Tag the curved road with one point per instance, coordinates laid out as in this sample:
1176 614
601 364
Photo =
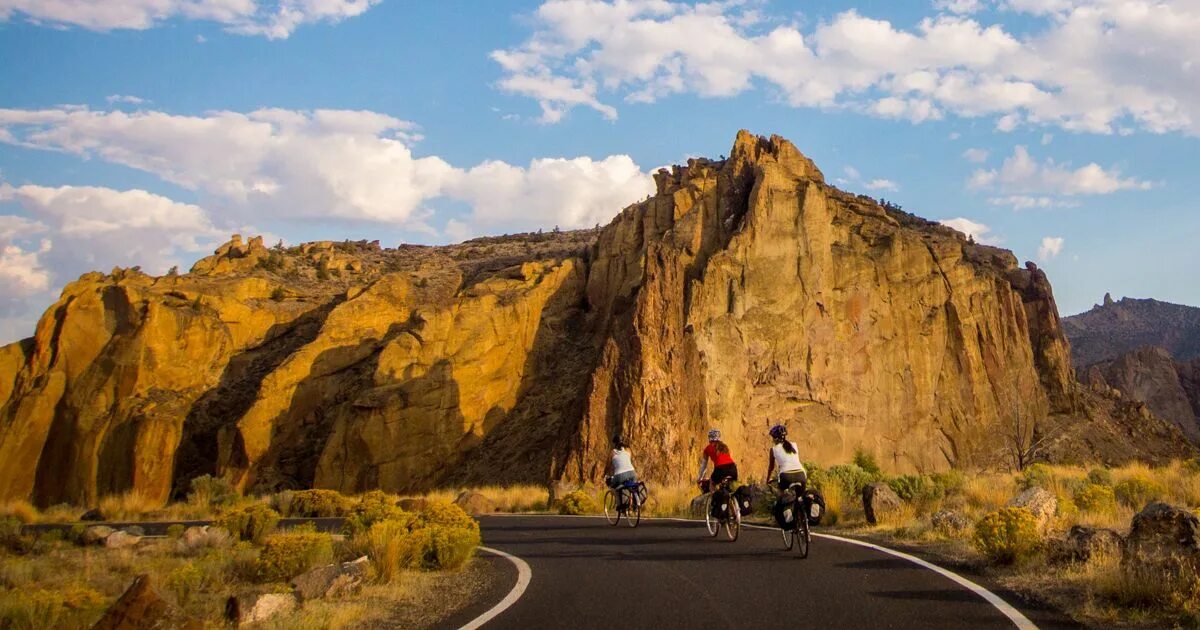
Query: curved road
669 574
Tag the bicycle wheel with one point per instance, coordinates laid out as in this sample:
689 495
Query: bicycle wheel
789 536
802 535
610 508
633 514
710 522
733 522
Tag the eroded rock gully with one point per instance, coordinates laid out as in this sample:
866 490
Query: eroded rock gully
746 292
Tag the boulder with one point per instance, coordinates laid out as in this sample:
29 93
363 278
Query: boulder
1163 541
879 502
411 504
92 515
331 580
949 522
473 502
1040 502
121 540
1081 543
251 608
96 534
134 530
141 607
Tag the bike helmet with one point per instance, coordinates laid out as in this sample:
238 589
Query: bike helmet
714 435
618 441
778 432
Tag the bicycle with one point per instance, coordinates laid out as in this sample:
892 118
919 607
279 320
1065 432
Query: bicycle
799 535
728 515
616 505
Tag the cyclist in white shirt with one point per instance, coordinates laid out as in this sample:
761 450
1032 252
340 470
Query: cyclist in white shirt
786 458
620 467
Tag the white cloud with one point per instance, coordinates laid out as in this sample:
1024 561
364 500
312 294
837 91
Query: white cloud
1026 202
330 165
1047 138
275 19
22 275
977 156
1051 247
1021 174
127 99
1098 66
574 193
959 6
978 231
98 228
881 184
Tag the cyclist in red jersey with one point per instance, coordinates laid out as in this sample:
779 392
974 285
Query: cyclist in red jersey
723 464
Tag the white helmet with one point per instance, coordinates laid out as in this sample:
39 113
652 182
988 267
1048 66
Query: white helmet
714 435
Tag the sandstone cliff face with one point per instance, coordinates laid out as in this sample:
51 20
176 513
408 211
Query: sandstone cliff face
747 292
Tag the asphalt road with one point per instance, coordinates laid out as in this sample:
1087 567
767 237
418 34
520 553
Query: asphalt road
670 574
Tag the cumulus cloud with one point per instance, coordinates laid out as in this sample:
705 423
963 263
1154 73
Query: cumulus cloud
977 156
327 164
81 228
1050 248
978 231
275 19
1022 174
1026 202
1084 65
881 184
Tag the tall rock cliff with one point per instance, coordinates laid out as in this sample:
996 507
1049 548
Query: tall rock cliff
746 292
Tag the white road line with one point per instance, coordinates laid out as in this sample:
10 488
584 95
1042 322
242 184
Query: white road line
524 575
1014 615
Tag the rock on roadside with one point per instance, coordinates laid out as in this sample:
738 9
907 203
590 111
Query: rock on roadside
331 580
121 540
879 502
475 503
141 607
1040 502
251 608
1163 541
96 534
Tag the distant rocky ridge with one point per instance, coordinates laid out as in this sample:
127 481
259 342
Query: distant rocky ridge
1113 328
1144 350
746 292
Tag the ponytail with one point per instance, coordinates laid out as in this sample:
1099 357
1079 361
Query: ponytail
721 447
788 446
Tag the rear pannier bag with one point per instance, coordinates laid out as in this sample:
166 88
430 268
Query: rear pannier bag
816 507
720 504
783 510
742 495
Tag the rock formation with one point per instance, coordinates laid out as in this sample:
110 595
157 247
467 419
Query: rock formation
1116 327
746 292
1149 375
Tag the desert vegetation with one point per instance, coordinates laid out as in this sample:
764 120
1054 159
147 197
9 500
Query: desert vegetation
385 567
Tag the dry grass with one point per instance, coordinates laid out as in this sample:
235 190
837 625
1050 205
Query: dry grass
22 511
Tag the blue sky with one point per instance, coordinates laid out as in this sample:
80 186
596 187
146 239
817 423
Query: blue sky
144 133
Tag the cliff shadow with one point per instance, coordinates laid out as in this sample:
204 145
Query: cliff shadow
236 391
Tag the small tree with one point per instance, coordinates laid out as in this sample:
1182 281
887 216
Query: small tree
173 271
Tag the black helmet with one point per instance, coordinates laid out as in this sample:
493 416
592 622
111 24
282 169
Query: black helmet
618 441
779 432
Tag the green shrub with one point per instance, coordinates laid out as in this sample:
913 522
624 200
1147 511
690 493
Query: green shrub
373 507
288 554
212 491
866 461
1037 475
951 481
46 608
440 536
916 488
851 478
1136 492
1096 498
577 502
319 504
1007 535
185 581
1100 477
251 522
